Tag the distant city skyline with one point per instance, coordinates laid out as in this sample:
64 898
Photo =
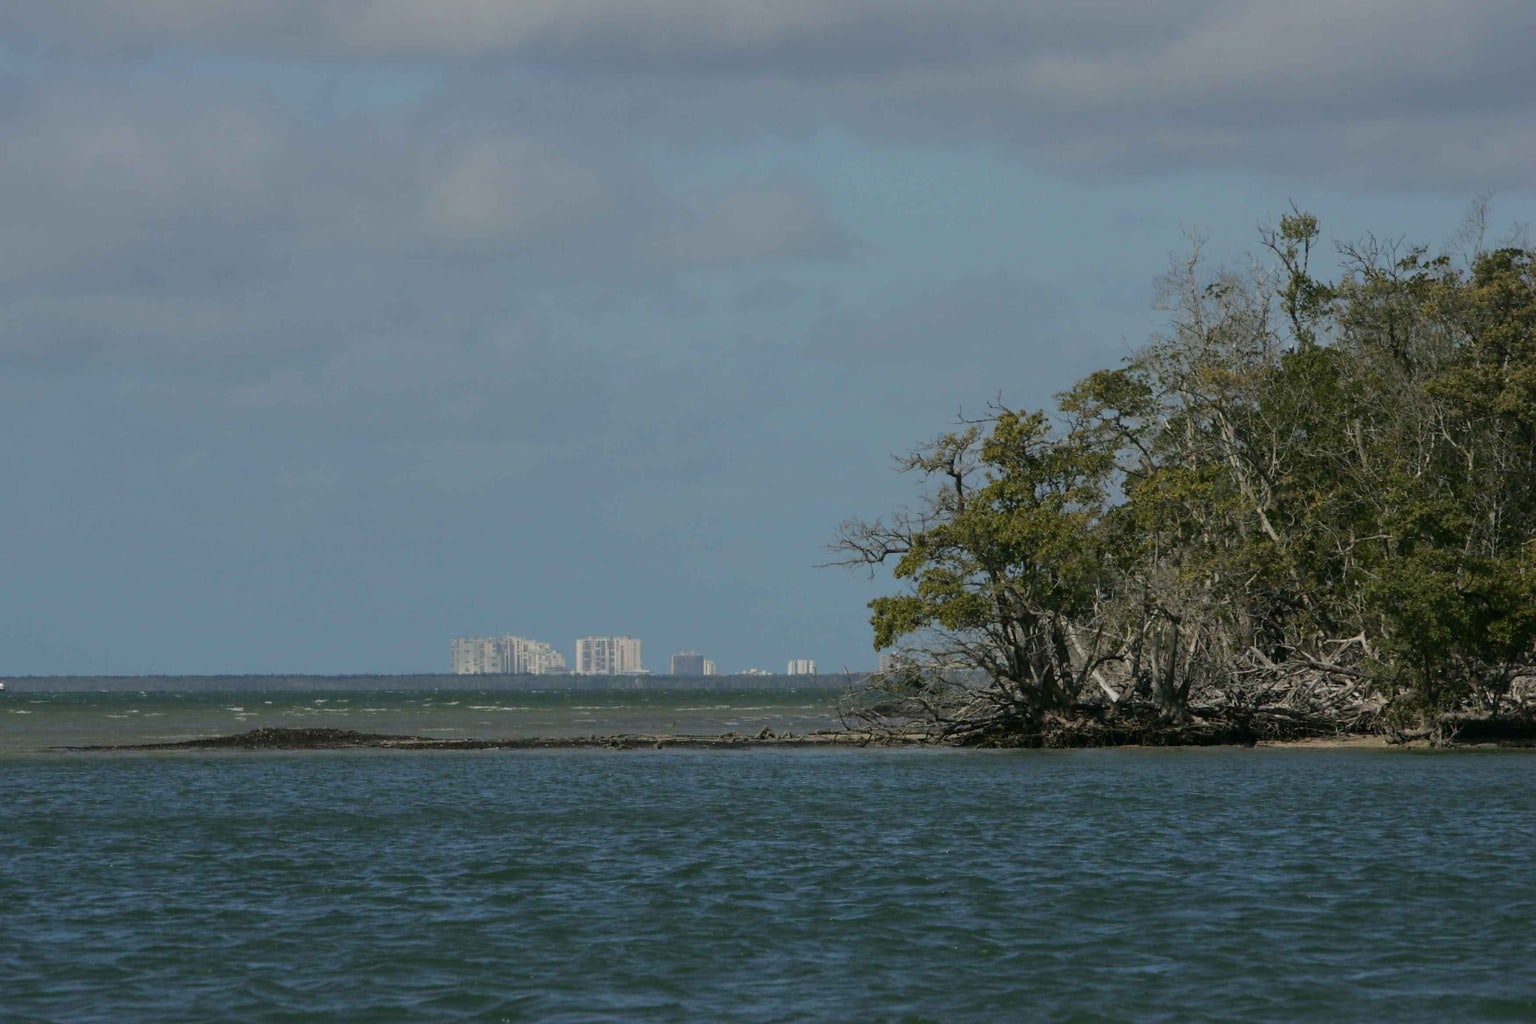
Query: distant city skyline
508 654
594 655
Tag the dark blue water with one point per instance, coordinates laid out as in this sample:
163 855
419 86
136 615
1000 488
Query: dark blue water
768 885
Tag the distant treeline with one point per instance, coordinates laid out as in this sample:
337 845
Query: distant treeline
326 684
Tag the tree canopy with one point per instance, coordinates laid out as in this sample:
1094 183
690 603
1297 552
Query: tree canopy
1308 505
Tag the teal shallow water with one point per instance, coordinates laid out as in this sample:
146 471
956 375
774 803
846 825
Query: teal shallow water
37 721
768 885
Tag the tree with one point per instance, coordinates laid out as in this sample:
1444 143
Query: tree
1308 505
1005 564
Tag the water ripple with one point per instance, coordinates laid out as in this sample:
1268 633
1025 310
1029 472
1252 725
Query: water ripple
770 886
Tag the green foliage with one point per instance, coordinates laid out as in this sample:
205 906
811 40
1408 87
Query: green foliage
1297 465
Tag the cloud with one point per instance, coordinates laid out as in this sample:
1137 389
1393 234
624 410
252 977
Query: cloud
147 219
753 224
1335 89
86 175
1364 93
800 34
510 191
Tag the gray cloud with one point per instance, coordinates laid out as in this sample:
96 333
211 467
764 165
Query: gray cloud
86 175
500 192
145 218
793 34
1340 89
98 173
751 224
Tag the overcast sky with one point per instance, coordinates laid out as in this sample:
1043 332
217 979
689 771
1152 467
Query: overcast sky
332 329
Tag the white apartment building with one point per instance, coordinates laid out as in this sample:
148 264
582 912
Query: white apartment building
608 655
476 655
801 667
531 657
504 655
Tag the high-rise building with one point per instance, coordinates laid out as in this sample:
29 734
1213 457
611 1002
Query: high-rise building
530 657
608 655
801 667
476 655
692 663
504 655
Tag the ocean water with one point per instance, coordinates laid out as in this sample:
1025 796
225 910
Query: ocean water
767 885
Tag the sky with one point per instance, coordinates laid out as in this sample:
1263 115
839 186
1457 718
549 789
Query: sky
333 329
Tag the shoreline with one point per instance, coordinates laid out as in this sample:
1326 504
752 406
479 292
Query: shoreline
283 738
